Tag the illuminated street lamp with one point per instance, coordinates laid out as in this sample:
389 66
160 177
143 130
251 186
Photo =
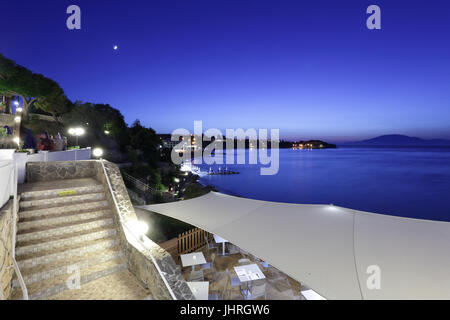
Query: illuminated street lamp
76 132
17 140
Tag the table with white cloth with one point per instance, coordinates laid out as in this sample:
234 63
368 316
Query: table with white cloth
247 273
192 259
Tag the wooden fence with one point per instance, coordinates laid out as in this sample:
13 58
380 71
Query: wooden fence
186 242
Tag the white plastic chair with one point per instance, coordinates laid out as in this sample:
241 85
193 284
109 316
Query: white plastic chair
196 275
242 262
232 249
256 290
210 246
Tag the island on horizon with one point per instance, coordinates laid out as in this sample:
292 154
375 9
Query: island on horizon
398 140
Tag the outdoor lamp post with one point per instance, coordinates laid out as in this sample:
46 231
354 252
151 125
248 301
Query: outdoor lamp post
18 108
76 132
17 120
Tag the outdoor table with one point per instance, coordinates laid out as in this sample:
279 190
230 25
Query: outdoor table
222 241
249 272
200 289
192 259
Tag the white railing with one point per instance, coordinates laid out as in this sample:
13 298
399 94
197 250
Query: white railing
133 234
6 181
13 240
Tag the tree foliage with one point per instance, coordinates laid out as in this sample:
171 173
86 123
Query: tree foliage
31 87
146 140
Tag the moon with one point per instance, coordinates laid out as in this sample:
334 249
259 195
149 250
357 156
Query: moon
116 47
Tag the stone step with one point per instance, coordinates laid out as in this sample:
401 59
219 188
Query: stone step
23 248
62 218
60 201
60 267
61 192
63 263
64 282
48 256
73 208
121 285
43 233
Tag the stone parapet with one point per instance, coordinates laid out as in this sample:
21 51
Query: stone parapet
6 262
59 170
138 251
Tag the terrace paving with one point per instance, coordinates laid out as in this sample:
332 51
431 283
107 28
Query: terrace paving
278 285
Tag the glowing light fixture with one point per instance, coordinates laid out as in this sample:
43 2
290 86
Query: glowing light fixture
17 119
76 132
19 109
140 228
97 152
16 140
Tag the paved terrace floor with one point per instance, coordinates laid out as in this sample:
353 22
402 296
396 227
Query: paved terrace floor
279 286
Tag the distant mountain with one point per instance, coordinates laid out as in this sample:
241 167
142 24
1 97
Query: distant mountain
399 140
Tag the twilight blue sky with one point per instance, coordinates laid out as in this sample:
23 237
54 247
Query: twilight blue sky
310 68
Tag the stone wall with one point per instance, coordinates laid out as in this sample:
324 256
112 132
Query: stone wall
138 252
49 171
6 263
7 120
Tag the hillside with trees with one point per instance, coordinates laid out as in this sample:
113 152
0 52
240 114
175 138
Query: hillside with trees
46 108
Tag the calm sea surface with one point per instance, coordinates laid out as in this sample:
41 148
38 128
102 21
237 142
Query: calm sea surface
409 182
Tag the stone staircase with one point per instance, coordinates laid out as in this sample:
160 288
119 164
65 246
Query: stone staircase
66 228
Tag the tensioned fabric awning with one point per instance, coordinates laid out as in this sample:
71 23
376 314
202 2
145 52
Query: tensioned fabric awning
338 252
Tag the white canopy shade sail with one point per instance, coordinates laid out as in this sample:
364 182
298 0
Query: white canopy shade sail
339 253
